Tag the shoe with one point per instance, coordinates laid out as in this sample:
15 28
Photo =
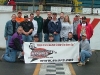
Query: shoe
88 60
1 58
80 64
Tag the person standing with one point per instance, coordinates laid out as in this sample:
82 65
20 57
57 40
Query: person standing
84 28
76 22
34 24
66 28
15 45
10 28
27 29
61 19
85 50
54 27
45 26
19 18
39 20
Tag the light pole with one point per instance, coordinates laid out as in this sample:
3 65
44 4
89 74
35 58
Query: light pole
92 5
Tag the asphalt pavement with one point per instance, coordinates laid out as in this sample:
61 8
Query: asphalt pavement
20 68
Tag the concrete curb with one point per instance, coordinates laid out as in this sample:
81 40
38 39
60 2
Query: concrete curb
2 48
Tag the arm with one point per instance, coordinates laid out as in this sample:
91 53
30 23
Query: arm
5 32
91 28
71 28
32 28
59 27
44 26
51 30
17 44
35 28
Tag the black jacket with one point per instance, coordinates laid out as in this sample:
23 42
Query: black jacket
45 26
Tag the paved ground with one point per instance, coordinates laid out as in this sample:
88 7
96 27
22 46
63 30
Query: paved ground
19 68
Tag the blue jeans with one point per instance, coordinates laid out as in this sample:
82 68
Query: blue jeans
57 37
40 36
46 37
84 55
27 38
11 56
7 43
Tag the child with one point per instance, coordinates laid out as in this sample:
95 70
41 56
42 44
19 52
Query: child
51 38
70 37
36 38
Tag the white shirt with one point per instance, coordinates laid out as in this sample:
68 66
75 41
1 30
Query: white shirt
66 28
35 27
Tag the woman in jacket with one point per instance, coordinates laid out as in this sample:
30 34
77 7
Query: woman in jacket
66 28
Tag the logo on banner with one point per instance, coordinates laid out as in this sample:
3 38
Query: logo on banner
38 53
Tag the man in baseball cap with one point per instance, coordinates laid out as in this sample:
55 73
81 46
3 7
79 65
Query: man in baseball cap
36 38
85 52
51 38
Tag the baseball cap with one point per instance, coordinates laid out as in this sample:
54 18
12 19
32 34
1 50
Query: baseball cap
36 36
50 35
77 15
84 17
84 34
19 12
25 16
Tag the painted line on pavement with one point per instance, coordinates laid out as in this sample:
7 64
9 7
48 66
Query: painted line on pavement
71 69
37 69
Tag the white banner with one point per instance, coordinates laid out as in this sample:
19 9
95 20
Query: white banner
66 9
56 9
40 52
86 11
6 8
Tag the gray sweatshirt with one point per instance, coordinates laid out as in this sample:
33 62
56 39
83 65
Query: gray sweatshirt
84 45
75 24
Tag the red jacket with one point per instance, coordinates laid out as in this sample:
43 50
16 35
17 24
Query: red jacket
89 31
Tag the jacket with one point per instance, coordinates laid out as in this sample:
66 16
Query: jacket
54 27
9 28
40 23
88 28
45 26
16 42
35 27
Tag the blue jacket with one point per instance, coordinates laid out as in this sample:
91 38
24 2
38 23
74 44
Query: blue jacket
54 27
9 28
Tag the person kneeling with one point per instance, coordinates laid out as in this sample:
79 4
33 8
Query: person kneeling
51 38
36 38
85 50
70 37
15 45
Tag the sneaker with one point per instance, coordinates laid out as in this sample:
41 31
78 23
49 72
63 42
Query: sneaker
80 64
88 60
1 58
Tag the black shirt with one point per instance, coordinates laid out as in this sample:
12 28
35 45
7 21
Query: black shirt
27 26
14 26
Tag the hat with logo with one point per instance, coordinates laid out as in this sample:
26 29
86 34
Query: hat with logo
36 36
77 15
19 12
25 16
50 35
84 35
83 18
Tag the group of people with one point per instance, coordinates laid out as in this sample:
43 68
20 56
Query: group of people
30 29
